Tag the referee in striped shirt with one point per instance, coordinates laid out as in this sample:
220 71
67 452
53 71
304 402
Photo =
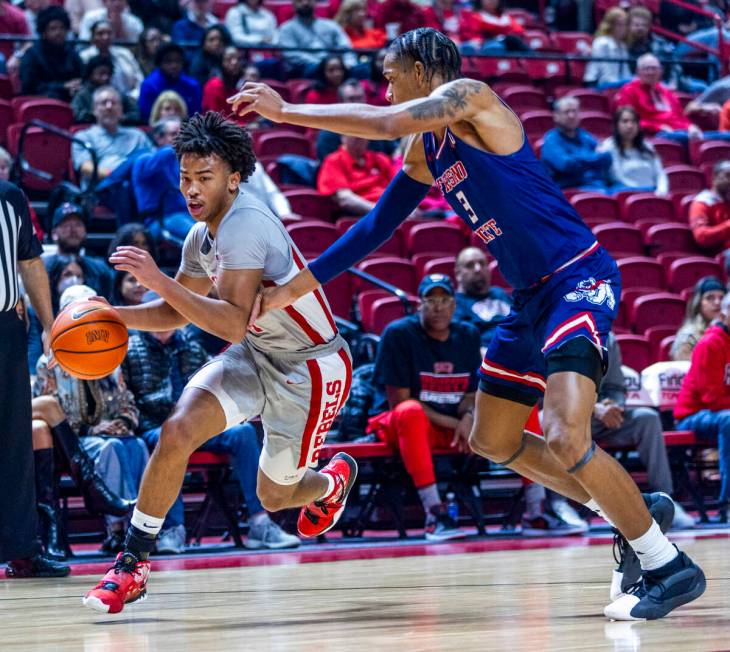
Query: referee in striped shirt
19 251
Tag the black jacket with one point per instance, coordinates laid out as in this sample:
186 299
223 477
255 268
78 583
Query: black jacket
45 68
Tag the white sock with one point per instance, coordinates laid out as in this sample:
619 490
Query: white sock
429 496
653 548
146 523
594 507
534 498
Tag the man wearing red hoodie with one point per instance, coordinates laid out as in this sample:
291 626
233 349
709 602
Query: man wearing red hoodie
709 213
703 404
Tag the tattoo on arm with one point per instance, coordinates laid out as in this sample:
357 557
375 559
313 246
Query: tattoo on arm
453 100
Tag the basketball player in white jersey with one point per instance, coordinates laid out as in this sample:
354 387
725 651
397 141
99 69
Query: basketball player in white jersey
293 369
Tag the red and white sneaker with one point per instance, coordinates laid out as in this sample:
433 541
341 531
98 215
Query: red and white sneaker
125 582
322 515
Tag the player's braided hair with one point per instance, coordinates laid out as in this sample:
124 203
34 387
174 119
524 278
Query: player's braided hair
436 51
210 133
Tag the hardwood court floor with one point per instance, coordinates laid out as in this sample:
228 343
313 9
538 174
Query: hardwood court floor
521 601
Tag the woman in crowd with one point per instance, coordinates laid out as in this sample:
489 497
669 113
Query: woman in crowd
127 75
149 42
635 165
352 17
376 86
128 291
208 60
91 423
168 104
330 74
228 82
609 42
487 28
133 234
703 307
98 72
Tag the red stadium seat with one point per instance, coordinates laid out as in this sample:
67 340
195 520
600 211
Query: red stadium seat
313 237
685 272
339 294
391 247
635 351
396 271
590 100
537 39
437 237
521 101
620 239
593 205
284 142
307 202
648 205
670 237
280 87
54 112
712 151
496 277
443 265
660 309
573 42
665 347
670 152
220 8
656 335
597 123
537 123
298 88
6 87
383 312
685 178
43 151
366 299
7 117
640 271
666 258
545 70
421 260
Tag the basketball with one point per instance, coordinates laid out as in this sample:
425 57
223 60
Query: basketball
89 339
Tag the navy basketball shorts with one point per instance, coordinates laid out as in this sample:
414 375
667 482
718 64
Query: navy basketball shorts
580 301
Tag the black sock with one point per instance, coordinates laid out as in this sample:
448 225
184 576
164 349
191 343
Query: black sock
139 543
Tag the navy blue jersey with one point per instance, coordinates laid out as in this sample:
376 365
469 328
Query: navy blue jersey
512 205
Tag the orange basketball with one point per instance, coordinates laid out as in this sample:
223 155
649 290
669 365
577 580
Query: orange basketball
89 339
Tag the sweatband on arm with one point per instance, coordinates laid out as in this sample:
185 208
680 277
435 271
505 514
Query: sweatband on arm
398 201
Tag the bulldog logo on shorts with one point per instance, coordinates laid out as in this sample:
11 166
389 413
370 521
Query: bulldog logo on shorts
596 292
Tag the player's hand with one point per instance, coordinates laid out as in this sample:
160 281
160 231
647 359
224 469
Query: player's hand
260 98
139 263
609 414
269 299
461 433
105 427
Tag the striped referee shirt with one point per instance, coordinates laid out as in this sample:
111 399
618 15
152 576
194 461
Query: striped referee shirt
17 242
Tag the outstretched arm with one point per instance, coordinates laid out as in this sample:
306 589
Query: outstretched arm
456 101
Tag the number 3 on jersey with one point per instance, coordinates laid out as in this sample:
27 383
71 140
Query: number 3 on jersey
467 206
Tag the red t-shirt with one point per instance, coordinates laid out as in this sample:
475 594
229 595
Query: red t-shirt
707 383
322 96
479 25
709 219
367 39
657 107
215 94
339 171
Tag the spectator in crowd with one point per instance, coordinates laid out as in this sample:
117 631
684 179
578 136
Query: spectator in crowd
51 67
711 100
251 24
487 28
12 21
68 232
169 76
112 143
354 176
168 104
227 82
328 76
191 27
161 14
709 213
78 8
635 165
208 59
703 404
157 367
133 234
31 9
353 18
444 15
305 30
126 27
703 307
570 152
127 75
426 380
149 42
99 72
351 91
609 42
639 428
706 35
92 423
128 291
660 111
641 40
477 303
397 16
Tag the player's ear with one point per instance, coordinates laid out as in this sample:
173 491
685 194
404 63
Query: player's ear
420 72
234 180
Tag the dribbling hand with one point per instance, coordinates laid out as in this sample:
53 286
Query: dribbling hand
139 263
260 98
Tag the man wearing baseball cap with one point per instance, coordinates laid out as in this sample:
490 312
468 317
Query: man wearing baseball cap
426 379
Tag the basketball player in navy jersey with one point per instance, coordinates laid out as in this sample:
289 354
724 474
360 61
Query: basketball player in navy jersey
567 291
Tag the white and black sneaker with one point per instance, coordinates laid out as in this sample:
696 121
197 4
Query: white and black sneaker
628 571
440 526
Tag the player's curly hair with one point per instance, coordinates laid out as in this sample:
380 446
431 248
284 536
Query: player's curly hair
210 133
436 51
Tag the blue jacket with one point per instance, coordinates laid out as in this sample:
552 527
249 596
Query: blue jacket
187 87
574 162
156 181
187 31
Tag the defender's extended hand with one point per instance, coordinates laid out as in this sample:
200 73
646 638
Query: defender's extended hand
267 300
260 98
